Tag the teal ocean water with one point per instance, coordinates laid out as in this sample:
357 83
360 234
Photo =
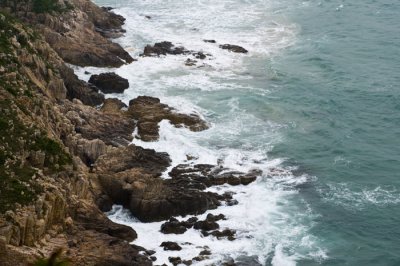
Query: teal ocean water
315 104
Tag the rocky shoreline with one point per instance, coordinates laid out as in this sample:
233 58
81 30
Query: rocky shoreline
74 147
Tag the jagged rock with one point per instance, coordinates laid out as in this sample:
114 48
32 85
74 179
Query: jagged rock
112 129
81 40
205 252
163 48
233 48
113 106
228 233
78 89
93 248
175 260
148 111
109 82
129 177
170 245
199 55
93 219
173 226
104 203
206 225
211 175
190 62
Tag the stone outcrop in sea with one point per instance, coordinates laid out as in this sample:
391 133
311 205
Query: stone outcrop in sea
64 160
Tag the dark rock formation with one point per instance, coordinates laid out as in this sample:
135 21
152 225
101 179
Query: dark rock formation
109 82
78 89
233 48
210 41
148 111
170 246
228 233
163 48
210 175
173 226
175 260
206 225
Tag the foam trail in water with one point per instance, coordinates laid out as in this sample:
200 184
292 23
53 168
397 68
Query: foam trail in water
269 226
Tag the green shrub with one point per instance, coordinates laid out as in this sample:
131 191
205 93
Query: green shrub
44 6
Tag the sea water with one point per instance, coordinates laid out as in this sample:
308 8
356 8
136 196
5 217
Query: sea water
315 104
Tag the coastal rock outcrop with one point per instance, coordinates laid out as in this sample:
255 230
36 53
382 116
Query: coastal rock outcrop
48 193
78 31
109 82
164 48
233 48
149 111
210 175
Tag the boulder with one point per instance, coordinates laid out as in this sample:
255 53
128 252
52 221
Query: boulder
163 48
173 226
228 233
175 260
233 48
109 82
206 225
170 245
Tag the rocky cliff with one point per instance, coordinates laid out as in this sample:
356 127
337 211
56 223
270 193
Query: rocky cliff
64 160
47 143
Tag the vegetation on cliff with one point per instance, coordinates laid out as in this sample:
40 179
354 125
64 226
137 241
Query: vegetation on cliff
25 148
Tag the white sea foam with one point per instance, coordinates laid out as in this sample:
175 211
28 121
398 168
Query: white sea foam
353 197
269 226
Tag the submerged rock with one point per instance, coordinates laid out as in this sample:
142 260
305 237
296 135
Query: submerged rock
109 82
168 245
163 48
233 48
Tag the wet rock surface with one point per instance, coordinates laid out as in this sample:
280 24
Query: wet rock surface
149 111
211 175
164 48
109 82
233 48
170 246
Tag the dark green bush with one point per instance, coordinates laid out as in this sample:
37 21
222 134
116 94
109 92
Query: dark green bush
44 6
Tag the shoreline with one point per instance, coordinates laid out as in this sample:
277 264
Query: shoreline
104 168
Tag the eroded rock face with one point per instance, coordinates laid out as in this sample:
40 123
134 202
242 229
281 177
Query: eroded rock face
78 89
233 48
112 129
109 82
80 35
130 176
149 111
92 248
210 175
113 106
